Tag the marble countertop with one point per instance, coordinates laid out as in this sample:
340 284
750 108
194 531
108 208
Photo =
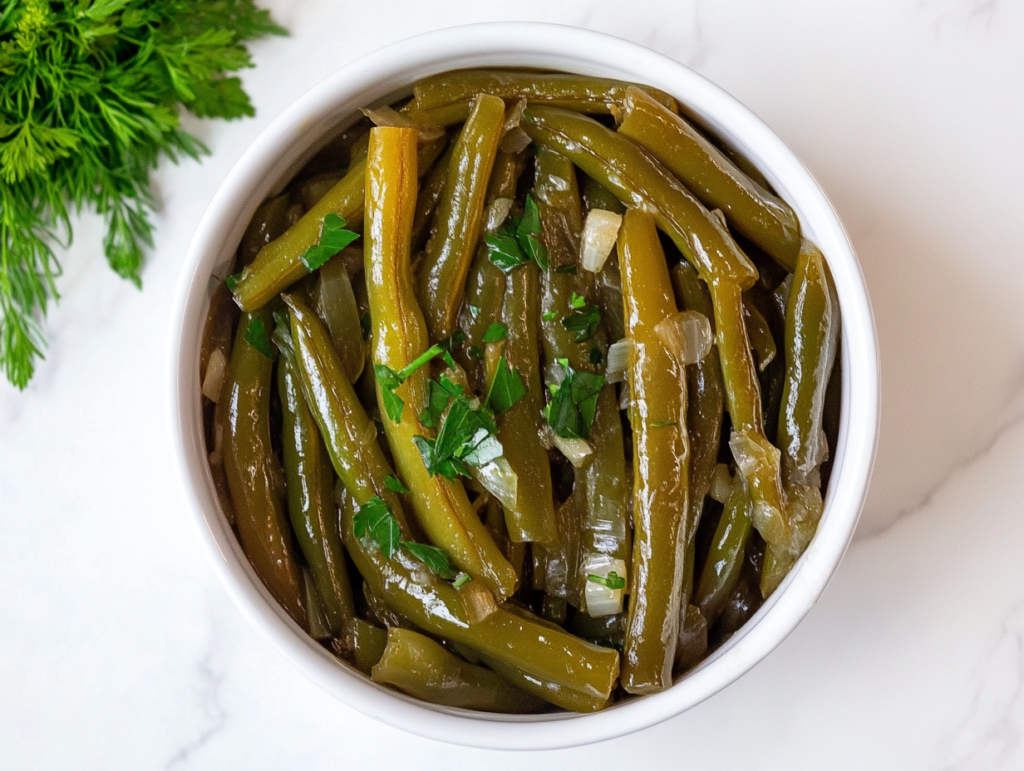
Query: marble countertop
118 648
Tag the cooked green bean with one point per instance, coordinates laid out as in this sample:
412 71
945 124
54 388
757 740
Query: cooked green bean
761 341
557 694
660 461
459 217
728 550
254 476
576 92
310 485
267 224
335 303
764 218
533 517
368 646
420 667
279 264
429 195
399 336
549 655
812 330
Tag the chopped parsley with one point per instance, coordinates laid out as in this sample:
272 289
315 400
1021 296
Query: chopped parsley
595 356
518 240
495 333
506 389
375 520
549 315
232 280
613 581
582 320
576 301
665 424
256 336
466 437
389 379
570 413
461 580
333 238
395 485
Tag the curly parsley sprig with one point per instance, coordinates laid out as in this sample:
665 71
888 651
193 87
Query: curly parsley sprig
90 92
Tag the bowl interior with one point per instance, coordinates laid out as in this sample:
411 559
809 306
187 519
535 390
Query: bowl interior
379 78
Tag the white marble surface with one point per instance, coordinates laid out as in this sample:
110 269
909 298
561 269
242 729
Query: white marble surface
118 650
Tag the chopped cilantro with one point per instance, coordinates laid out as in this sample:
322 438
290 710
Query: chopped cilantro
613 581
495 333
570 413
256 336
506 389
394 484
333 238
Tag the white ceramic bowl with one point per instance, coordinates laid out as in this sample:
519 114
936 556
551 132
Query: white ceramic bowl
294 137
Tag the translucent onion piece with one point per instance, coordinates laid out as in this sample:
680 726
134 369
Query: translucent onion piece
498 478
753 454
600 232
626 396
386 116
576 451
479 601
215 369
687 335
600 600
497 212
515 141
514 115
618 361
335 303
721 483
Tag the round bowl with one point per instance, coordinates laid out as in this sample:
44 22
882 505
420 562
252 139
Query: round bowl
305 127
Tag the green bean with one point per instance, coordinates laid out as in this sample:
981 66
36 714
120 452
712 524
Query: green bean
268 223
310 485
597 196
429 194
586 94
335 304
812 330
557 694
494 521
533 517
254 477
693 639
279 264
399 336
545 654
561 557
760 335
420 667
459 217
660 460
725 560
350 436
369 642
313 189
764 218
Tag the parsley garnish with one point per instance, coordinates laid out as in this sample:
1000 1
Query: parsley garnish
613 581
466 437
474 310
376 520
665 424
495 333
394 484
517 241
389 380
570 413
475 351
595 356
549 315
231 281
333 238
256 336
91 98
506 389
461 580
577 301
438 393
582 320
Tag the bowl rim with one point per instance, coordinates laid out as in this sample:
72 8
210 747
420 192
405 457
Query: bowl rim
292 137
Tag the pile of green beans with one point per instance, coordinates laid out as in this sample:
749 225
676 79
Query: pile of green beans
483 466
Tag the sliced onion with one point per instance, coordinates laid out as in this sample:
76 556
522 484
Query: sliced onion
216 367
335 303
514 115
721 483
600 232
387 117
576 451
618 361
498 478
599 599
687 335
479 601
497 213
515 141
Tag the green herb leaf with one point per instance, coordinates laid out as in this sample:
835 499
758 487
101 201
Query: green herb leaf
256 336
583 323
495 333
528 234
389 380
436 559
595 357
466 436
570 413
437 403
474 310
613 581
665 424
394 484
232 280
518 240
502 247
333 238
506 389
475 351
549 315
375 520
461 580
576 301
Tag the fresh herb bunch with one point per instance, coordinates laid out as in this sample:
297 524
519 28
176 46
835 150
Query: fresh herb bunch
89 97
